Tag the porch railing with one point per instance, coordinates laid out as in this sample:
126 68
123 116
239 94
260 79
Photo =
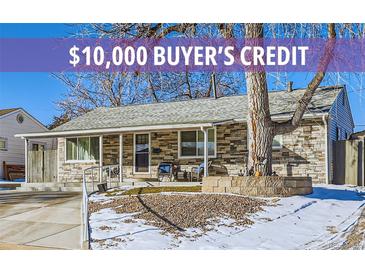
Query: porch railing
112 171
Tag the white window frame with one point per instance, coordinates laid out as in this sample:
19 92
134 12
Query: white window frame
273 147
80 161
280 141
134 153
197 156
6 144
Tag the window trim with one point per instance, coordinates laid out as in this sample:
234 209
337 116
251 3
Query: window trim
197 156
80 161
281 143
273 147
149 153
6 144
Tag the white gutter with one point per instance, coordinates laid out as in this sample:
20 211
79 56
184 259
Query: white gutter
110 130
286 117
324 118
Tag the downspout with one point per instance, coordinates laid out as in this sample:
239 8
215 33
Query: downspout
26 160
101 159
120 158
325 122
205 131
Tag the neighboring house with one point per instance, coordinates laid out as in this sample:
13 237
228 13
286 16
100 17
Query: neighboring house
15 121
358 135
139 137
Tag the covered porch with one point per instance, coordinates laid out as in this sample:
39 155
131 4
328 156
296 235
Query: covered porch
138 153
167 155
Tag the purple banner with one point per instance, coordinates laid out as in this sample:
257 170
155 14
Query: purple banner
181 54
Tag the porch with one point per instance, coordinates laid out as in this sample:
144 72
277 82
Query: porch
218 149
167 156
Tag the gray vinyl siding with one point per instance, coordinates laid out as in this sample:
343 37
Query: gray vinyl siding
340 125
340 117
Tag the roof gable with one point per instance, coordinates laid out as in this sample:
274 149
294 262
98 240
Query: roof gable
7 111
11 111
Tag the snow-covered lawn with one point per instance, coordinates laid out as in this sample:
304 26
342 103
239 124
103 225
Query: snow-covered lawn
323 220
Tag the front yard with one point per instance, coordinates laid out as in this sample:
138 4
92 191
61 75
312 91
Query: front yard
185 218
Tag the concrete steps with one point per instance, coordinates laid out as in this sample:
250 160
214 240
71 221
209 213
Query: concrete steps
66 187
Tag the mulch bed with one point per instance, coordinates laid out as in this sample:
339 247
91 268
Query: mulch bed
177 212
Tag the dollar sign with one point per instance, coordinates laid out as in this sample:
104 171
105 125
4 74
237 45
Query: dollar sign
75 58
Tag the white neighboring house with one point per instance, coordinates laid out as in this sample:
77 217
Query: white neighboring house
14 121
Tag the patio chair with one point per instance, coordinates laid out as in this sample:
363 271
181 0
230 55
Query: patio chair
167 171
197 172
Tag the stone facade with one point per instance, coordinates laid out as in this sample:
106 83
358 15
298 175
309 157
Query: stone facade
258 186
70 172
73 172
302 154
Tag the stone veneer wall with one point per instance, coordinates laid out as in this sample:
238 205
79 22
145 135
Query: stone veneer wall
230 151
73 172
70 172
258 186
303 153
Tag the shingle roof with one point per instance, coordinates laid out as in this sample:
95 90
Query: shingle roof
8 110
207 110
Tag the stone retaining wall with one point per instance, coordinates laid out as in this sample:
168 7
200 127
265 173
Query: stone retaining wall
258 186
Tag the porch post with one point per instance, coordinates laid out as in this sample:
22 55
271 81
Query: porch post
101 158
205 131
120 158
26 160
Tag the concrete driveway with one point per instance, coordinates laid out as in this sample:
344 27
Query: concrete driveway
40 220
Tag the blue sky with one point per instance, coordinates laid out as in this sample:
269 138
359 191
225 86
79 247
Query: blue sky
38 92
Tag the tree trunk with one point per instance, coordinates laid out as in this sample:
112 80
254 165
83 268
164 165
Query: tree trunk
260 130
260 133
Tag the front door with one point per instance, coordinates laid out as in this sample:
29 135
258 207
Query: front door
142 153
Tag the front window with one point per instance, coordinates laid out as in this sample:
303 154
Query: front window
192 143
3 144
82 149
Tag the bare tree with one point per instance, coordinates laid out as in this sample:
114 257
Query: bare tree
87 91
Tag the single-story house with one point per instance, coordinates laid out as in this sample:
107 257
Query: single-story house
191 132
16 121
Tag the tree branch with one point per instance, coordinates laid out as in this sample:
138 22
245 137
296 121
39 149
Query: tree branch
293 123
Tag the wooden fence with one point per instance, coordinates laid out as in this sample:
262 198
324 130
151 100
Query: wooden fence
42 166
348 162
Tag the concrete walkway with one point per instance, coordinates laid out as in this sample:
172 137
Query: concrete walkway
40 220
